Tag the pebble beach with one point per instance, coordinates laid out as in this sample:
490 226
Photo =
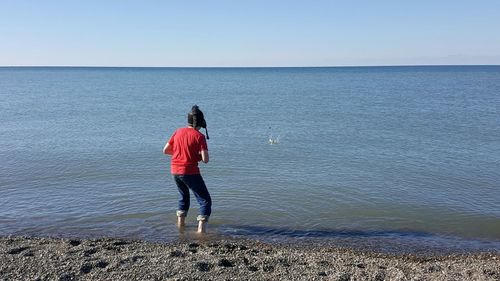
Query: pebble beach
29 258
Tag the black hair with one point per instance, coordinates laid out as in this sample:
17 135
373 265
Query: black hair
197 119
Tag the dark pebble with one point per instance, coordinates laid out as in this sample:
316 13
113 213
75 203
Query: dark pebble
176 254
193 245
86 268
74 242
253 268
322 273
203 266
28 254
67 277
344 277
230 247
101 264
120 243
380 276
90 252
136 258
489 272
16 251
433 268
112 248
268 268
360 265
284 262
324 263
225 263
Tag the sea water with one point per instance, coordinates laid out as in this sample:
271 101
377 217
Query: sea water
360 154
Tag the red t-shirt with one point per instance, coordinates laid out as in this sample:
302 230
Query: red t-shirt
187 143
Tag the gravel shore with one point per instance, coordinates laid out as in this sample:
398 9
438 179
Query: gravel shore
23 258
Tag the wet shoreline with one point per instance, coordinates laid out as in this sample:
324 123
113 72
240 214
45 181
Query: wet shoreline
386 242
32 258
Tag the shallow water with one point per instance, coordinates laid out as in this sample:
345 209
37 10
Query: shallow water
404 153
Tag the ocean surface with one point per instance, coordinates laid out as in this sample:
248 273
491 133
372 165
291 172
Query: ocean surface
383 157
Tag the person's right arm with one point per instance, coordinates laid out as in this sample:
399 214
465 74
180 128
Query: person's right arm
167 149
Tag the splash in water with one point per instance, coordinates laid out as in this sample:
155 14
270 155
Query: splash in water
274 140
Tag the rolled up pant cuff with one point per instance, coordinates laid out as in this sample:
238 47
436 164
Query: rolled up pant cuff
202 218
181 213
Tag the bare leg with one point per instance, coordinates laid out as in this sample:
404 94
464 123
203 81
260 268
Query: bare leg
181 221
181 218
202 226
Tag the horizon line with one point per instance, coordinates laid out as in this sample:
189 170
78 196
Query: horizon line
304 66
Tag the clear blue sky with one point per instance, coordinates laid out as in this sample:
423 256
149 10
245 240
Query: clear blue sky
248 32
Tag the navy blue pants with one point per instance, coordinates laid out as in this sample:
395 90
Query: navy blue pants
197 185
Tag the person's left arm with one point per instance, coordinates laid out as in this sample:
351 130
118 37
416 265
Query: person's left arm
204 156
203 150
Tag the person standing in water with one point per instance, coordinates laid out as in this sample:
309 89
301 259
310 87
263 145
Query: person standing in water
188 146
